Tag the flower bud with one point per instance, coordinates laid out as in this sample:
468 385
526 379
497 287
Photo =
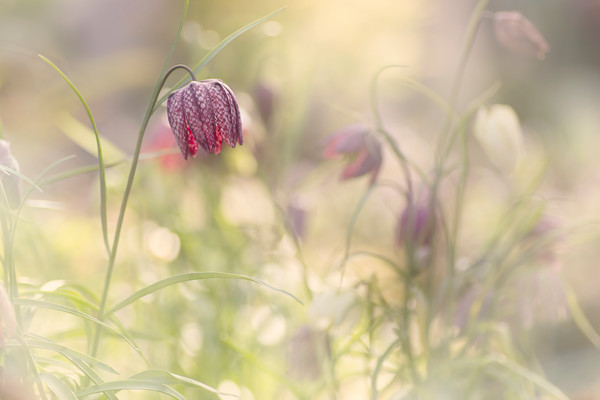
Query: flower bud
204 113
498 131
517 34
416 226
307 350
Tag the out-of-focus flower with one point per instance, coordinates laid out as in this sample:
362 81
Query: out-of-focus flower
162 139
204 113
306 351
415 231
498 131
518 34
416 226
547 238
363 150
10 181
297 218
264 96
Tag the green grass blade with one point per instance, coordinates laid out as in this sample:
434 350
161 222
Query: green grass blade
60 389
168 378
378 365
83 136
580 319
75 312
132 384
70 354
92 375
94 167
99 148
187 277
215 50
528 375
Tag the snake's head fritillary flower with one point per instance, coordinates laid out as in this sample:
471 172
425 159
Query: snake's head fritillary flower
518 34
363 150
204 114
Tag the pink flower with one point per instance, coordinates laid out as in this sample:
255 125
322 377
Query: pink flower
518 34
204 113
363 150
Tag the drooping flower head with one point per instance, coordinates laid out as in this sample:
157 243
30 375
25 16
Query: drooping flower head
518 34
204 114
363 150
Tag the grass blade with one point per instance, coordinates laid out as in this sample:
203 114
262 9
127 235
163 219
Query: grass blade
187 277
83 136
215 50
530 376
60 389
580 319
132 384
99 148
42 343
167 377
75 312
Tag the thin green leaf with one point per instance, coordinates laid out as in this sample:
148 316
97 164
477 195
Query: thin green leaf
380 360
73 311
112 254
215 50
580 319
359 206
83 136
60 389
166 377
89 372
42 343
8 170
132 384
531 376
94 167
99 148
187 277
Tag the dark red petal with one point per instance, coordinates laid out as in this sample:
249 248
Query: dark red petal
199 115
368 160
234 133
347 140
177 121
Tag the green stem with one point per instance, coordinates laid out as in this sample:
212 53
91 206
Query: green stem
381 129
457 82
136 156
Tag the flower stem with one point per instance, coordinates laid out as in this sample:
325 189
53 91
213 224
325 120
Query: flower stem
126 194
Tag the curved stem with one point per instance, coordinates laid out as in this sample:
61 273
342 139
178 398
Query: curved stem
127 192
380 128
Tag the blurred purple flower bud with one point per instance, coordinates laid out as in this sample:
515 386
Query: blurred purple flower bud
547 236
297 218
363 150
10 182
204 113
517 34
264 96
306 351
416 226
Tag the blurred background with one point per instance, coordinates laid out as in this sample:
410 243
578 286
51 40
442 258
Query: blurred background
273 208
